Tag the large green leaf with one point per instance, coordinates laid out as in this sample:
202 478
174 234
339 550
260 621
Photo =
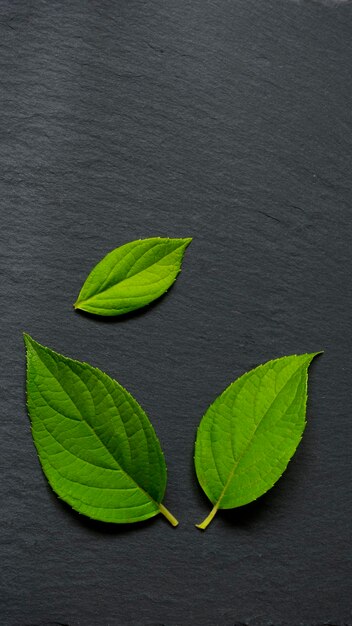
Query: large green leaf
96 445
248 435
132 276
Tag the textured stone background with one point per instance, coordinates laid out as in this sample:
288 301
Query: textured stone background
229 121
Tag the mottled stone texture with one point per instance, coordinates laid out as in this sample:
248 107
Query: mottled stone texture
225 120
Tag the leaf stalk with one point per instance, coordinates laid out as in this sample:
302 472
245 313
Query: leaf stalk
170 518
205 523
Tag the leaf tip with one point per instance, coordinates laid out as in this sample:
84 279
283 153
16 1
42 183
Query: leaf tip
27 339
29 344
187 241
312 355
78 305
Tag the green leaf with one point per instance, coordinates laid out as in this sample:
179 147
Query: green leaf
96 445
248 435
132 276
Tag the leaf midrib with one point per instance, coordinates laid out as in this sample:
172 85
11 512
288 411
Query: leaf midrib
100 441
158 244
129 278
105 508
237 463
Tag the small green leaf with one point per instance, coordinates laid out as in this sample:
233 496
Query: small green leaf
96 445
248 435
132 276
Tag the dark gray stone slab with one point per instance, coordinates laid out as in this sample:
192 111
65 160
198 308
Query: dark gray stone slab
225 120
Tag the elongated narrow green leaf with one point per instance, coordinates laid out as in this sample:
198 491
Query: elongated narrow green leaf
132 276
96 445
248 435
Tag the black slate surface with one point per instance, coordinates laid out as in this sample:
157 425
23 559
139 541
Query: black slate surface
229 121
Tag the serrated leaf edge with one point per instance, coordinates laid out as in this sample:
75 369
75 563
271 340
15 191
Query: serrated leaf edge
185 243
29 341
205 523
